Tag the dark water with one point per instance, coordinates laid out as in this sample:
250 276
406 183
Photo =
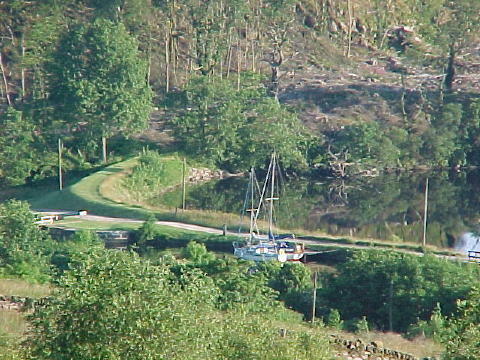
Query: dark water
385 207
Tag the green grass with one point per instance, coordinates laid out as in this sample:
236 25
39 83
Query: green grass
12 325
85 194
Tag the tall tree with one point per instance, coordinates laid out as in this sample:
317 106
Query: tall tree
98 81
16 154
279 17
235 128
459 23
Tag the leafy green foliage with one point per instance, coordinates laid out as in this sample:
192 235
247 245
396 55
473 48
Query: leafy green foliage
442 139
197 253
239 286
367 143
334 320
24 248
16 153
69 252
153 174
115 305
98 82
235 128
373 282
146 233
463 329
434 328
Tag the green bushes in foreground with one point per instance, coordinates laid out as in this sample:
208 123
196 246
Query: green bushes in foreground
114 305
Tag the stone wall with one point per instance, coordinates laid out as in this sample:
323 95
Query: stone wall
15 303
358 350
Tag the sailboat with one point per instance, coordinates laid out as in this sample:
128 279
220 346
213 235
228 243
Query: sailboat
268 247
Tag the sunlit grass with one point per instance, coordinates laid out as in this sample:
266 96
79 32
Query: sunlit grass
22 288
12 324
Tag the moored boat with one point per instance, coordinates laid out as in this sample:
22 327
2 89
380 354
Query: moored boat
271 247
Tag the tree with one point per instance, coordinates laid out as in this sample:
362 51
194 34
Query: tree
278 16
114 305
235 128
146 233
197 253
212 22
462 334
442 139
459 23
24 248
98 82
376 284
366 143
16 140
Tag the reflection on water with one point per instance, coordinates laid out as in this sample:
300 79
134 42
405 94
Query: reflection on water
384 207
467 242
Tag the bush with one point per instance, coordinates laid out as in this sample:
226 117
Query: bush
373 282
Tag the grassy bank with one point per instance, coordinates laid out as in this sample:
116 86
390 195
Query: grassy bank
103 193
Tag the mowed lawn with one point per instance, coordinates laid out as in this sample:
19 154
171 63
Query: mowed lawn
86 194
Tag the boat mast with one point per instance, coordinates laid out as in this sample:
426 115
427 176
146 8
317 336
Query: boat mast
252 204
272 197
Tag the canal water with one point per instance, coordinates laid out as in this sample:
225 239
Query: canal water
389 206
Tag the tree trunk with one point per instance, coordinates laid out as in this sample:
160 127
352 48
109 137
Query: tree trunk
450 71
238 65
350 23
5 81
275 81
167 64
24 88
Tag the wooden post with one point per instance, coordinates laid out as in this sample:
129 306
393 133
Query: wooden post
60 178
184 170
104 149
390 307
424 243
314 296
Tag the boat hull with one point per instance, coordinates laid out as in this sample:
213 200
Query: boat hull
259 253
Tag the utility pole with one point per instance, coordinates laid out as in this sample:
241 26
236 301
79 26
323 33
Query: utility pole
425 209
60 150
104 149
184 170
314 296
390 307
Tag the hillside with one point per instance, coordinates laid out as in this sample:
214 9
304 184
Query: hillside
400 75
